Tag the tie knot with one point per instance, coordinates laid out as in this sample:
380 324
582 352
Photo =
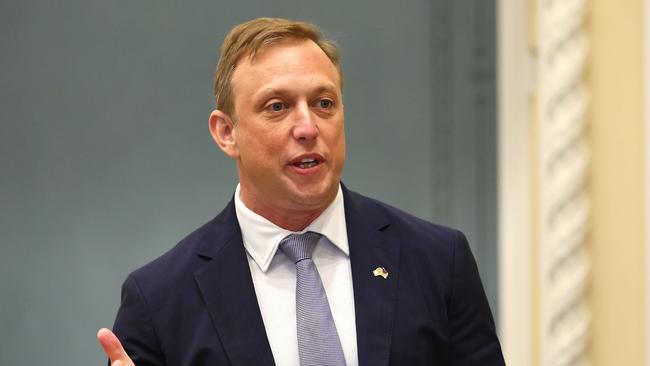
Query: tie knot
299 246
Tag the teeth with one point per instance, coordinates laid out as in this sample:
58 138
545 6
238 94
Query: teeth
307 163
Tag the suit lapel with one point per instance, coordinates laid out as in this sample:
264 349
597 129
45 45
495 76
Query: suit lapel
371 246
227 289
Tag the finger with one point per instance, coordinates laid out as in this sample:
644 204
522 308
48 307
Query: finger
113 348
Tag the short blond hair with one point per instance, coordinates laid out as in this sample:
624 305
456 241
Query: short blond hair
249 37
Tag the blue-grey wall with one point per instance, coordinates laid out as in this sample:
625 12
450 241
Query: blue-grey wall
106 161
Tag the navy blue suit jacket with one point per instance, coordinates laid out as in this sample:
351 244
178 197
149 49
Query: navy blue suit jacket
196 305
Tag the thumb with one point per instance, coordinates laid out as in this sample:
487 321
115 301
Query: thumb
113 348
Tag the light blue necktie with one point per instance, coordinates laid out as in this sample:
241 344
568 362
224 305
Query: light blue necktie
318 341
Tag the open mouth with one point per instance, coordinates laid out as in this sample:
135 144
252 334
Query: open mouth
306 163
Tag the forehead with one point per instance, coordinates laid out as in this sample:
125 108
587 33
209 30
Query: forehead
285 62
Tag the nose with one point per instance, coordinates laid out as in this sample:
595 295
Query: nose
305 127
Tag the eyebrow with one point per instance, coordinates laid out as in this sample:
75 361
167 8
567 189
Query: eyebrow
284 91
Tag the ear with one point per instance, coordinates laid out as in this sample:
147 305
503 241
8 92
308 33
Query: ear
222 130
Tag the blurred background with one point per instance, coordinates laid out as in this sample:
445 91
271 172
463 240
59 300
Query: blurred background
523 123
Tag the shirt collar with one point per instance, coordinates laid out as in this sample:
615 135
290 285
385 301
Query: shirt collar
262 237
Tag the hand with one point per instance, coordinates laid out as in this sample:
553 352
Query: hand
113 348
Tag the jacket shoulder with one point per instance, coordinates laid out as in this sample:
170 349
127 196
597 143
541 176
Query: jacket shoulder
405 224
178 264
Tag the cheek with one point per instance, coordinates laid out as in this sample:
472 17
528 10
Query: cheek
263 147
343 145
337 139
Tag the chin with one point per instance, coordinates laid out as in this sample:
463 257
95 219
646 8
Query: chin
315 196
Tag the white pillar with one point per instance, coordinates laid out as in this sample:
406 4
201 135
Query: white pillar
563 158
516 71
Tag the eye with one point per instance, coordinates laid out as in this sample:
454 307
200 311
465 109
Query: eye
276 107
325 103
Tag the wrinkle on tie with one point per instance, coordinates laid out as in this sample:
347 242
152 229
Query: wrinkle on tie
318 339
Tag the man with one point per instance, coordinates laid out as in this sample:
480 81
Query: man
297 269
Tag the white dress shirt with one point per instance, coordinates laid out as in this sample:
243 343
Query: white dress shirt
274 278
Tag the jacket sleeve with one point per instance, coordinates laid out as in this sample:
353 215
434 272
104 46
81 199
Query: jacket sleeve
135 328
473 335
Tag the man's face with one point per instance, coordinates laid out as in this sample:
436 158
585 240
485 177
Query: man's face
288 139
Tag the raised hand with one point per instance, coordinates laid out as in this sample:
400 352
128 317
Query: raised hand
113 348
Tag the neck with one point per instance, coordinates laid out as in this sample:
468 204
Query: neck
291 219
